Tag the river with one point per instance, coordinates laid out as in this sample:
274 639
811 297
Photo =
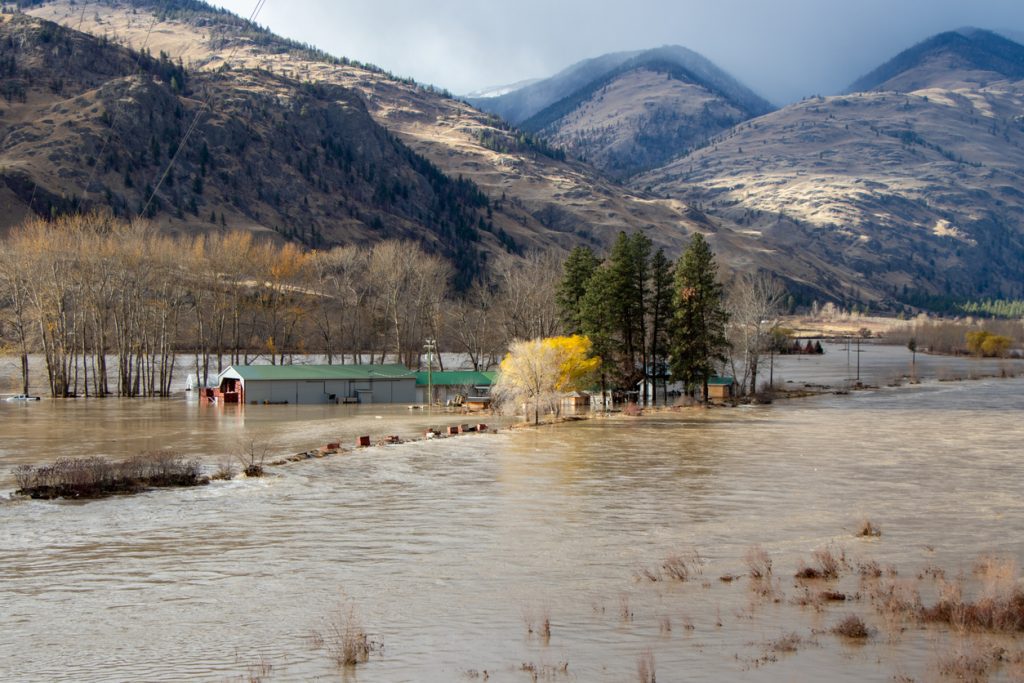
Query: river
449 550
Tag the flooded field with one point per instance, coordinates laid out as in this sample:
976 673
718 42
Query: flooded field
452 552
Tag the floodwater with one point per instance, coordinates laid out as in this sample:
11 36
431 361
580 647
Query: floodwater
448 550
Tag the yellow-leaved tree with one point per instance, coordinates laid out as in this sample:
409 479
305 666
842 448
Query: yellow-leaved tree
538 372
985 343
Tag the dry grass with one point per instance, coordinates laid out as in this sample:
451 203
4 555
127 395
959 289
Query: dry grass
971 661
96 477
993 611
542 672
645 668
625 612
647 574
852 627
225 471
683 566
345 638
259 670
538 624
759 563
869 570
787 643
829 565
867 529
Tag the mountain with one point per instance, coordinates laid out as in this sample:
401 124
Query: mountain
631 111
867 198
537 200
87 123
519 104
921 193
971 57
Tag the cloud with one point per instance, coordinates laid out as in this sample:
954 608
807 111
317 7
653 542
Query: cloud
784 49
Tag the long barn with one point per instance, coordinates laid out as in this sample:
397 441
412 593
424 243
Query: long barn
317 384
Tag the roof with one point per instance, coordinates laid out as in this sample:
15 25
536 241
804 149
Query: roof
721 381
321 372
457 378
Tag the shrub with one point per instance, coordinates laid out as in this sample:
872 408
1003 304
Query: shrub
96 477
759 564
345 638
853 627
829 565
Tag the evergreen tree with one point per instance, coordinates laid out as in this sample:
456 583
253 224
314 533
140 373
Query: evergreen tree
697 339
577 270
661 311
596 316
630 266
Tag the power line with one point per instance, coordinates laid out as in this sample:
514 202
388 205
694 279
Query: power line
117 110
195 121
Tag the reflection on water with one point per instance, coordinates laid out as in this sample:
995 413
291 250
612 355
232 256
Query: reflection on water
446 547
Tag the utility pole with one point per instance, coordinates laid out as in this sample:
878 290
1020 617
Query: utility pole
858 359
430 346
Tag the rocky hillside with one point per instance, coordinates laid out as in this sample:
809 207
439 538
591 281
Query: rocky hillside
628 112
537 199
86 123
920 193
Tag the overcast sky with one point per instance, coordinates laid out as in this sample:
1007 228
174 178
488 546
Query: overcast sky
783 49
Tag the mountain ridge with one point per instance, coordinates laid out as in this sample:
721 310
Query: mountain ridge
975 51
631 111
771 193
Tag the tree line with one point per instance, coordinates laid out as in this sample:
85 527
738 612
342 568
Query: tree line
113 305
649 319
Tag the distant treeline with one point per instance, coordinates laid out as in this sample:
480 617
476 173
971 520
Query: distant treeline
988 308
88 291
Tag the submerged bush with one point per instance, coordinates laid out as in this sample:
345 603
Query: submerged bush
853 627
96 477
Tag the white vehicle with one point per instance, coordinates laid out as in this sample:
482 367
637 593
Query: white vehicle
22 397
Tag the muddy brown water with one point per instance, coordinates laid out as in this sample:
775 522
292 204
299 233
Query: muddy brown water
450 549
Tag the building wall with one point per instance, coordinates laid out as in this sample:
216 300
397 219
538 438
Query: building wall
720 391
320 391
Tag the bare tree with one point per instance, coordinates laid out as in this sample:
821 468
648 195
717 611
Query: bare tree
15 271
470 328
526 293
754 303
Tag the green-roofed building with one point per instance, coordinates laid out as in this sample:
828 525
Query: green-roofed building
317 384
450 384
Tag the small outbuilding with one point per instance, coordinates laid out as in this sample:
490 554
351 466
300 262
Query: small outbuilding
307 384
721 388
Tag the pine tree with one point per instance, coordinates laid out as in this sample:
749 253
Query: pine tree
596 316
697 339
661 311
577 270
630 265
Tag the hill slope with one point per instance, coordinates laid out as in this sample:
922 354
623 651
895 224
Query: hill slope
537 200
86 123
628 112
920 194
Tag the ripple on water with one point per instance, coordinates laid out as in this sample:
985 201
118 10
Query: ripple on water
451 548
